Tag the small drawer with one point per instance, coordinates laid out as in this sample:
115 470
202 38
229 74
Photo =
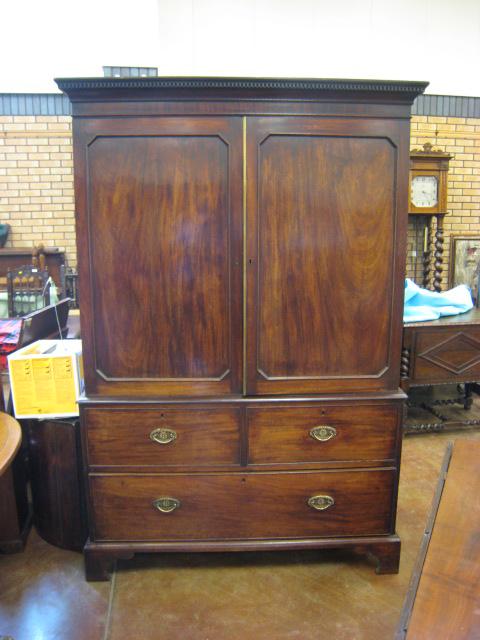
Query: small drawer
167 437
322 434
242 506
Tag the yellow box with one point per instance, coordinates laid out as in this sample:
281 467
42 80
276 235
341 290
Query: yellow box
46 379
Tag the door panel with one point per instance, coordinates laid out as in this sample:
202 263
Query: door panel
321 254
164 230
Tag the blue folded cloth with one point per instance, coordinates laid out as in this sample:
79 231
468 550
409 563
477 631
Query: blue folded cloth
421 304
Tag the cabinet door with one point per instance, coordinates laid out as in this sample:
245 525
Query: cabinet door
326 218
159 214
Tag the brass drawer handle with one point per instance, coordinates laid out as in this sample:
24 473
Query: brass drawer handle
166 504
320 503
323 432
163 436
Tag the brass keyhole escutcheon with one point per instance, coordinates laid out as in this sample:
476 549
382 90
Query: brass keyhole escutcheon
320 503
163 436
166 504
323 433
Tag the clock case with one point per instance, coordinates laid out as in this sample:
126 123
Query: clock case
428 162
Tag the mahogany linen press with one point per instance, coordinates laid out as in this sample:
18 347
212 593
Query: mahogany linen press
241 248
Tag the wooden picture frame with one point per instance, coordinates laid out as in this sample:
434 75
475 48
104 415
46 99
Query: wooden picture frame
464 265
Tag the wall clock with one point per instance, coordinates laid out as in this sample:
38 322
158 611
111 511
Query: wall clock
428 181
428 198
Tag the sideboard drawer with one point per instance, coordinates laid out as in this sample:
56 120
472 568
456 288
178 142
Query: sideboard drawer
319 434
163 436
447 353
242 506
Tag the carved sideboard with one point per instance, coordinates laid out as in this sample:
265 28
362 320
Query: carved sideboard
442 351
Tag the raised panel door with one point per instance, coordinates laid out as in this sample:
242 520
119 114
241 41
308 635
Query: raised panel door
325 253
160 209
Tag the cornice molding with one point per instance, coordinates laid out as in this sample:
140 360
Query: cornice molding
412 89
238 83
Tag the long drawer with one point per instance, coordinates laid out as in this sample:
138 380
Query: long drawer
233 506
322 433
163 436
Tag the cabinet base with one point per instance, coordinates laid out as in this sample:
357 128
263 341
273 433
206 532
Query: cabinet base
100 557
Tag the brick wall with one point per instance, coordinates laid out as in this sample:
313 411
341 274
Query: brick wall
36 182
460 137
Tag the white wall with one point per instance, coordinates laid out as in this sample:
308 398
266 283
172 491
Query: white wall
44 39
435 40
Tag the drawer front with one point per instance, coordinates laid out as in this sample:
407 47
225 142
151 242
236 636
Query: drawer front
446 355
166 437
320 434
242 506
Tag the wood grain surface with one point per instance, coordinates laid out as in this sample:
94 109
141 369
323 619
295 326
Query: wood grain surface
283 435
256 505
322 202
203 436
163 228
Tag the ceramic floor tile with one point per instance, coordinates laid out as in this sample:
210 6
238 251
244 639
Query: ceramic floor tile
44 596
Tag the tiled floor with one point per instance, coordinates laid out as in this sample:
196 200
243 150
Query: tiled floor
265 596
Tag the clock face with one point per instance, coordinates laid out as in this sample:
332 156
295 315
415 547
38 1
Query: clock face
424 191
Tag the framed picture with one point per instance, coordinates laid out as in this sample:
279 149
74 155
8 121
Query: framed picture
465 262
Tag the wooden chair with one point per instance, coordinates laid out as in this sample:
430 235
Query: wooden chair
28 290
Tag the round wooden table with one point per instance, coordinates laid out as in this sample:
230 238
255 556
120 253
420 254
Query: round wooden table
10 439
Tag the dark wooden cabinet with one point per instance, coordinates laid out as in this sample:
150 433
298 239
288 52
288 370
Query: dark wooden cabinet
56 483
241 256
